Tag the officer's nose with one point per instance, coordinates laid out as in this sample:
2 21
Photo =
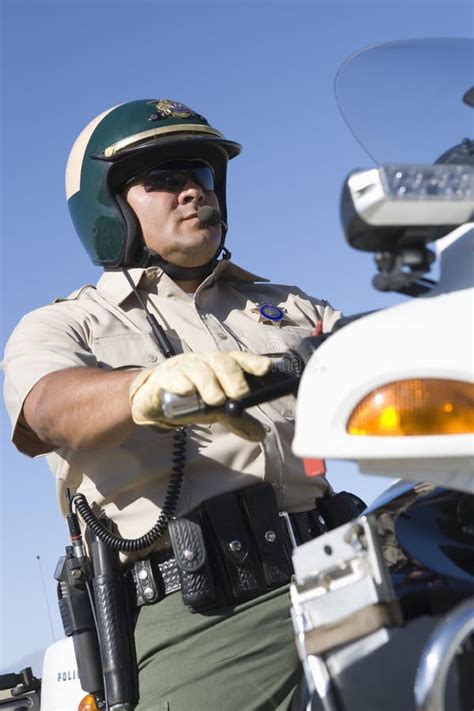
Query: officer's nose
192 192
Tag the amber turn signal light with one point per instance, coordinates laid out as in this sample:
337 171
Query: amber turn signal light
424 406
88 703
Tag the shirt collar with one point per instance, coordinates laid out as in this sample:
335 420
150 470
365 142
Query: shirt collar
114 283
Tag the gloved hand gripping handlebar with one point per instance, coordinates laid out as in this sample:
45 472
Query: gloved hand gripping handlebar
282 379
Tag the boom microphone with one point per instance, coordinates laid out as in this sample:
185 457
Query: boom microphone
209 216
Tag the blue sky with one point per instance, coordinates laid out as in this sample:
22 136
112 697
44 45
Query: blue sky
262 72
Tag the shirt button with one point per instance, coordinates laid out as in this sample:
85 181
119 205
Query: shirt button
222 336
152 358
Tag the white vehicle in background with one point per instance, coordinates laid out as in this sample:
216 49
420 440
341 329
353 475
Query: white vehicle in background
383 605
20 691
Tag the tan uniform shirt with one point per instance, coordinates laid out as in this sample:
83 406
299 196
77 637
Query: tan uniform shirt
104 327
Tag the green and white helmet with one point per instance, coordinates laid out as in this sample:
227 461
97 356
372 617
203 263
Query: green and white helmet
118 145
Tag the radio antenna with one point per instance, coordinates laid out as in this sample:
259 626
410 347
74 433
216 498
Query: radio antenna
38 558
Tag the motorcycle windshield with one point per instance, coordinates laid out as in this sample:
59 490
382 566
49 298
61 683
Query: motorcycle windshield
409 101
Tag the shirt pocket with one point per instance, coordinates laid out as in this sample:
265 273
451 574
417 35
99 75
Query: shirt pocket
293 335
278 339
126 351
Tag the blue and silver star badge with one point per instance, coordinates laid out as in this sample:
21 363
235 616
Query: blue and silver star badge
270 314
273 313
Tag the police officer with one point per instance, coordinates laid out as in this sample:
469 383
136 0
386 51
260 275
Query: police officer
85 376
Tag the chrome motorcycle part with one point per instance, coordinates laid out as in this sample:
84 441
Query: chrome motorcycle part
438 655
342 589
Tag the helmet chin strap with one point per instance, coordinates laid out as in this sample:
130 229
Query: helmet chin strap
178 273
207 216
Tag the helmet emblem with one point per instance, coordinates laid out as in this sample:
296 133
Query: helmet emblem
170 109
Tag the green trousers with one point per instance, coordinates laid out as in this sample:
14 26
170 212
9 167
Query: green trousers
240 659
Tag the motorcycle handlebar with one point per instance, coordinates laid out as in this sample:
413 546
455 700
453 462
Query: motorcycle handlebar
282 379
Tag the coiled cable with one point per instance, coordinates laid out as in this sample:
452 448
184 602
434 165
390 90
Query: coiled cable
132 545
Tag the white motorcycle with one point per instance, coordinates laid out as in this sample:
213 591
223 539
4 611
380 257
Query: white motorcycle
383 606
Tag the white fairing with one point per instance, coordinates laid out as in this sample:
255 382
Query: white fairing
429 337
60 686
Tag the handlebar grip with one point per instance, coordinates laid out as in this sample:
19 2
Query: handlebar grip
281 380
175 406
287 385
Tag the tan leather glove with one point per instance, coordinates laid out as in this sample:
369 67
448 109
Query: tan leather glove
215 376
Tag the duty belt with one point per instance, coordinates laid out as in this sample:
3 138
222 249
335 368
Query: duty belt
235 547
232 548
159 575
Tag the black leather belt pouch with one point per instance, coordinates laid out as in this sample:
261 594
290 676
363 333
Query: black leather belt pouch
194 567
230 549
235 553
340 508
262 513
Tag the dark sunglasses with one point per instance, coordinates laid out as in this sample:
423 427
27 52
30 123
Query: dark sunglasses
173 176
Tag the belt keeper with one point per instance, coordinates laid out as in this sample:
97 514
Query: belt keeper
146 588
291 534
